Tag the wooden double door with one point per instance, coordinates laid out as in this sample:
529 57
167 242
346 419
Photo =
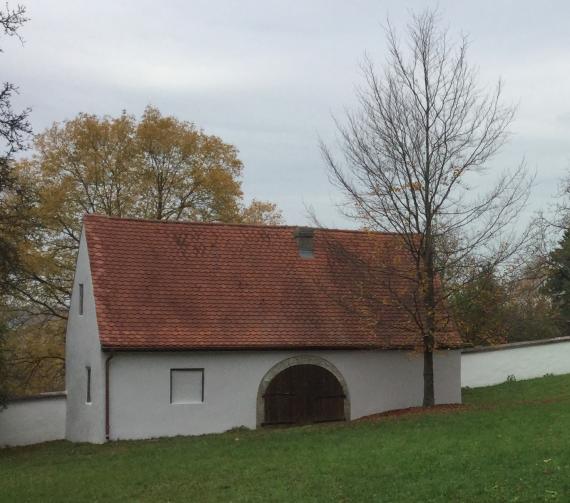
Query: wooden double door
304 394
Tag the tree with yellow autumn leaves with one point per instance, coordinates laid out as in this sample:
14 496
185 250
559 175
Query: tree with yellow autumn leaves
158 167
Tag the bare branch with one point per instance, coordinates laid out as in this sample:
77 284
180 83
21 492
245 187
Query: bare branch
423 134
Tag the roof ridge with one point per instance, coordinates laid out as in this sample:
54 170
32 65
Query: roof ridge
94 216
91 216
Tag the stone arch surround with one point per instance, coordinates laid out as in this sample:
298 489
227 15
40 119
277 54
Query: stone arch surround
291 362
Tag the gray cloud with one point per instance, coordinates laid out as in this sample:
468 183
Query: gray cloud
267 76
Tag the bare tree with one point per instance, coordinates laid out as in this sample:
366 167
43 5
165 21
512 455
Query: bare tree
411 154
558 218
14 128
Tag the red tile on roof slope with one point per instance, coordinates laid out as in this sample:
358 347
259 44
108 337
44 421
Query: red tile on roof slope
173 285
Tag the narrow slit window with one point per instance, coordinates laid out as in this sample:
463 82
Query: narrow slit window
80 298
88 394
186 386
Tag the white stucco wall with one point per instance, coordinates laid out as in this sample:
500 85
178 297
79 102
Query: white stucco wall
523 361
33 420
140 387
85 421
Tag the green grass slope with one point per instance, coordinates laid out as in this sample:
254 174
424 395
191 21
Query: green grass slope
510 444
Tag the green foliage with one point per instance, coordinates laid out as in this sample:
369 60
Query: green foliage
490 309
558 284
480 308
510 444
532 315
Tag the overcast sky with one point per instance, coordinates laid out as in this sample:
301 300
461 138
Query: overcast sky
267 76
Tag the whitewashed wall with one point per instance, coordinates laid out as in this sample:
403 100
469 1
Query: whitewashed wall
524 360
85 421
377 381
33 420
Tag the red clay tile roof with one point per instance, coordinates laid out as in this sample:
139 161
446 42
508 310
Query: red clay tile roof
178 285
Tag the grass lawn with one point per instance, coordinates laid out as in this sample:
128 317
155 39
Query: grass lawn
511 444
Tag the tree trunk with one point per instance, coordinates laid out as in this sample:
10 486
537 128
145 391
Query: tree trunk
429 343
429 395
430 323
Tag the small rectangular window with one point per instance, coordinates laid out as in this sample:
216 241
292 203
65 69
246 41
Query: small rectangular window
306 248
305 241
80 298
186 385
88 398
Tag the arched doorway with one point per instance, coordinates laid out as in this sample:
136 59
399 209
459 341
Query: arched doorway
302 391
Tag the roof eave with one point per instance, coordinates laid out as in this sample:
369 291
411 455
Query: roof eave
370 347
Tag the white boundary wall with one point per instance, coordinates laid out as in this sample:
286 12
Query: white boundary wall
42 418
33 420
486 366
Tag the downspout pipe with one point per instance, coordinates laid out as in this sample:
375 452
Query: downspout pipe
107 396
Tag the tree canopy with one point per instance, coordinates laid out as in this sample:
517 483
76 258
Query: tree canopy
158 167
558 282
